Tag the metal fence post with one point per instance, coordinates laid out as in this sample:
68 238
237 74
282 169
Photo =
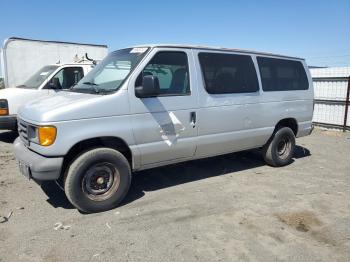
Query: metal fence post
346 106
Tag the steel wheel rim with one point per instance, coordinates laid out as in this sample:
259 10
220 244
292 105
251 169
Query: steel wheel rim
284 147
100 181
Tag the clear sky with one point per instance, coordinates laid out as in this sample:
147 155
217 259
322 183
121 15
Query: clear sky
317 30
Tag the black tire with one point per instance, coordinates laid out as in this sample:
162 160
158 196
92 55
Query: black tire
279 150
92 173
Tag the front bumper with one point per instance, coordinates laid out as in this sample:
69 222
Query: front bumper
8 122
39 167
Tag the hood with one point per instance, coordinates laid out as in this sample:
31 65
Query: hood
19 96
11 93
65 106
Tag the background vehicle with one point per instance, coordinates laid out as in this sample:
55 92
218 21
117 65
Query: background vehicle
48 80
150 106
34 68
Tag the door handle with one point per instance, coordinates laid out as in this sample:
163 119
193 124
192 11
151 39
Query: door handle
193 119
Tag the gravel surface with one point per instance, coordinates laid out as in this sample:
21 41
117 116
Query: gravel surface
227 208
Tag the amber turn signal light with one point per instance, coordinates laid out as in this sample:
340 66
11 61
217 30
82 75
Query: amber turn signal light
47 135
4 111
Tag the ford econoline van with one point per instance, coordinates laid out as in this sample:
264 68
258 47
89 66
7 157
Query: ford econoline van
149 106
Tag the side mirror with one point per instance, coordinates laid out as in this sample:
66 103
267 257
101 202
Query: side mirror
54 83
149 88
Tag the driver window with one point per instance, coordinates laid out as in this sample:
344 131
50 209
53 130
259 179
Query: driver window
68 77
171 69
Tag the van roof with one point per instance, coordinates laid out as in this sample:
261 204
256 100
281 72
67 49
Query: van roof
213 48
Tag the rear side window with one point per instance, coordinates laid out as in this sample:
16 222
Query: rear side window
228 73
171 69
282 75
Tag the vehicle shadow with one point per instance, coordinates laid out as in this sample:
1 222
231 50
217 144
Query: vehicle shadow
168 176
173 175
56 195
8 136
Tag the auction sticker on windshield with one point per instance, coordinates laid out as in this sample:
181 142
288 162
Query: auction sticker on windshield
138 50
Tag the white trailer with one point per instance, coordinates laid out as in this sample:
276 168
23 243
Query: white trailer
20 58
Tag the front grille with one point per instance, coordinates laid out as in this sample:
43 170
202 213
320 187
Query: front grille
23 131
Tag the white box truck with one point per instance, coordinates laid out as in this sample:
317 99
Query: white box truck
35 68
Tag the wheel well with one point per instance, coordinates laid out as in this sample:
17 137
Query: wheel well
85 145
288 122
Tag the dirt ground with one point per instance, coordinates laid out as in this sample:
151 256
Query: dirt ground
227 208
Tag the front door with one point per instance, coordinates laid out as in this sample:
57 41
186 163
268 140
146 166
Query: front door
165 126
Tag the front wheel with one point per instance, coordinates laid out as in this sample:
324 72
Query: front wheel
279 150
98 180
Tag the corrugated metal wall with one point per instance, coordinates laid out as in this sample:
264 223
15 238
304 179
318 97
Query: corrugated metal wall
330 85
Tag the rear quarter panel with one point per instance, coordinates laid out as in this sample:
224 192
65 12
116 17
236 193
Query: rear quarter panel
297 104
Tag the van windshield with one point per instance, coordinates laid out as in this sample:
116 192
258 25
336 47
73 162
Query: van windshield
111 72
35 81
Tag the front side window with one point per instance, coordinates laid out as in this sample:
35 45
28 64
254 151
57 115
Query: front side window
68 77
282 75
39 77
228 73
171 69
111 72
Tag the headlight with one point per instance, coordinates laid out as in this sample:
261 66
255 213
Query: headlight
42 135
4 107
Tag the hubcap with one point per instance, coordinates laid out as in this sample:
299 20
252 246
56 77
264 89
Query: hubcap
101 181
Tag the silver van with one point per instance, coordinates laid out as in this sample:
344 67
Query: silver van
150 106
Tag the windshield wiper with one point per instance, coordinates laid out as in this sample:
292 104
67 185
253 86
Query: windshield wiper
104 91
90 83
21 86
93 85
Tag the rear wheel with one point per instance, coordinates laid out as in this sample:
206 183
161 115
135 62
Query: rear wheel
279 150
98 180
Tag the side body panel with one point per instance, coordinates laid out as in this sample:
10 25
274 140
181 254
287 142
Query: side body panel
229 122
161 125
234 122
